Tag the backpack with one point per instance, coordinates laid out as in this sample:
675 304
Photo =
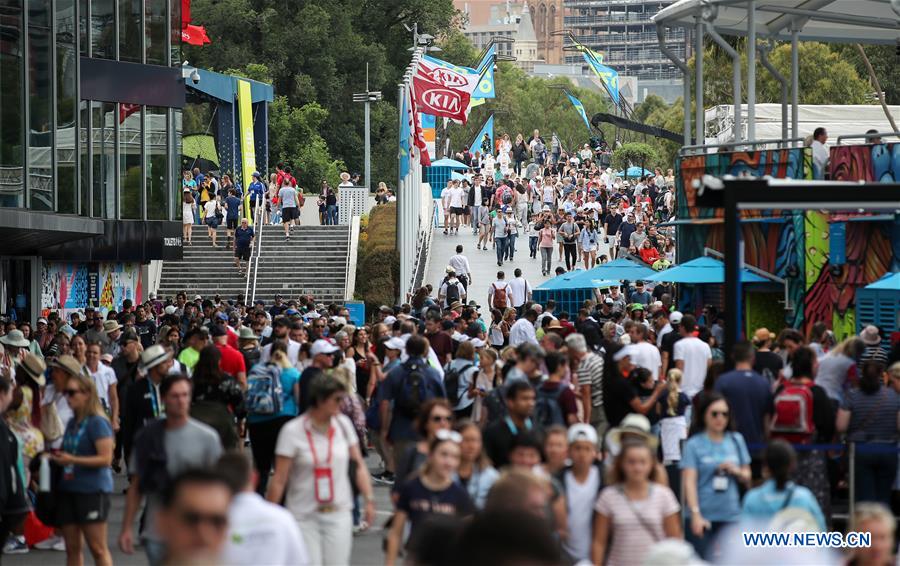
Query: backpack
547 411
264 392
413 392
507 195
794 414
499 298
451 383
495 403
452 293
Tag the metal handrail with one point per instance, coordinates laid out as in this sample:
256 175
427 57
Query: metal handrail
867 137
738 143
258 252
254 216
347 261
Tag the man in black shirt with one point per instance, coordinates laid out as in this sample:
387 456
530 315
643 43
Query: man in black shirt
667 347
145 327
766 362
499 435
590 329
662 289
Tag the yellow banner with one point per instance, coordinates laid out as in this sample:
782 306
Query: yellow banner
248 147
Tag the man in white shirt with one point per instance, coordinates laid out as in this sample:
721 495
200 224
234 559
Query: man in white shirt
692 356
520 291
280 331
501 289
460 265
445 205
523 330
820 153
643 353
452 289
456 196
548 311
257 530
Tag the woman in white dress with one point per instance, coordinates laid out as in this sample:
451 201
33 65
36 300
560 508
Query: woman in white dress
188 207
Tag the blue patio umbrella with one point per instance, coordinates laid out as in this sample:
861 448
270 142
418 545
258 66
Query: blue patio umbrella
451 163
634 172
615 270
890 282
702 270
574 280
458 176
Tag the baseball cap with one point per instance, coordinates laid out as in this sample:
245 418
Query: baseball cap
170 309
625 352
323 346
394 343
675 317
609 301
582 432
222 316
450 269
216 331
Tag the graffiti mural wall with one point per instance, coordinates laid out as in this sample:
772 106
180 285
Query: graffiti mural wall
73 286
796 246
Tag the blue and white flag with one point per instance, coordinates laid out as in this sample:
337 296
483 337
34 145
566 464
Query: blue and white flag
607 74
580 107
486 130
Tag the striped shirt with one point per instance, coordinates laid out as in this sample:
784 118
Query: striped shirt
590 372
874 353
873 416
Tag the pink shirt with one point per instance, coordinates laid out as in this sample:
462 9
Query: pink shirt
547 236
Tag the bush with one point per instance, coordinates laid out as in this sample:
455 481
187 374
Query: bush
634 154
378 262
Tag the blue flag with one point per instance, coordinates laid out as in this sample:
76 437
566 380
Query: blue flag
486 130
405 135
580 107
485 88
607 74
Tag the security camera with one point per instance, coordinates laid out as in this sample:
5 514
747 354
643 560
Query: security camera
195 77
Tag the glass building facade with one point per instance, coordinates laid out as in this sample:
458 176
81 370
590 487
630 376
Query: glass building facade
103 155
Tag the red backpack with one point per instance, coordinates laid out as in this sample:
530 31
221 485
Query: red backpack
794 413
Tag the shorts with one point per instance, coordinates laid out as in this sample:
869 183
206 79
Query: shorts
212 222
242 253
81 508
231 223
289 213
457 210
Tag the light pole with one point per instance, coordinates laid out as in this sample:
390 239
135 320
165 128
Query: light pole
367 98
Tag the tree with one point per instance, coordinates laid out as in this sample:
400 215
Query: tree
634 154
884 62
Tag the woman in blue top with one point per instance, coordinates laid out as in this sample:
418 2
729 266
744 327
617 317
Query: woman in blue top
264 429
714 462
763 504
86 456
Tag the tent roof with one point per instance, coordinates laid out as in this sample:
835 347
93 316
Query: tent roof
890 281
451 163
703 270
837 21
575 280
615 270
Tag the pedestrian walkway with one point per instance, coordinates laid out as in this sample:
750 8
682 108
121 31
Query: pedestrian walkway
483 262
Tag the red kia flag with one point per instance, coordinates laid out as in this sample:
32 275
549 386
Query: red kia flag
415 123
441 91
194 35
126 110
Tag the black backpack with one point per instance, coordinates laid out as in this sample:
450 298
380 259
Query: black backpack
414 392
452 293
451 383
547 410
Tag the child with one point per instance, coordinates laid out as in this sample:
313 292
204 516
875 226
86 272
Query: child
581 483
673 427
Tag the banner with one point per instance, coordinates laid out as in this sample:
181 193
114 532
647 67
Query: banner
415 125
442 91
478 144
580 107
404 136
607 74
429 132
248 145
485 71
194 35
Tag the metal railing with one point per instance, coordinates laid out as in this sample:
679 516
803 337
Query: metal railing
347 260
736 145
255 251
867 137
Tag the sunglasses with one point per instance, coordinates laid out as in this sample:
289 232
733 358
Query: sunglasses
194 519
450 435
440 418
719 414
71 392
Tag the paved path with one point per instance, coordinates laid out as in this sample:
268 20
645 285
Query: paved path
483 262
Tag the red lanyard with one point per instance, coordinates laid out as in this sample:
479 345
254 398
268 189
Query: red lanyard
312 446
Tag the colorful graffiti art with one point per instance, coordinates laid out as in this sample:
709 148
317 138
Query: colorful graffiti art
64 285
880 162
75 286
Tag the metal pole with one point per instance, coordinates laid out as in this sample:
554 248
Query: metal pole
852 479
735 79
368 157
698 83
751 70
795 80
685 73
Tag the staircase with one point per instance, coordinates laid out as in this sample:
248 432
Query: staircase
313 262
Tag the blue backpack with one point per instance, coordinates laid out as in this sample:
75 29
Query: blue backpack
547 410
264 392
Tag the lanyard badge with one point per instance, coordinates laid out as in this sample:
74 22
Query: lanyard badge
324 481
70 445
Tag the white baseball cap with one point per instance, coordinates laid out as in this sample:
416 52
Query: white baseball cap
581 431
323 346
675 317
395 343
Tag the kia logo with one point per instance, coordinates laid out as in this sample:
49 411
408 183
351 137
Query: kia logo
448 78
443 99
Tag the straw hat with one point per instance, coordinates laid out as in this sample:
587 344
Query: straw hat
34 367
636 425
68 364
869 335
15 338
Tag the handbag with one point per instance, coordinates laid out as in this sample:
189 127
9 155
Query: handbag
46 503
51 425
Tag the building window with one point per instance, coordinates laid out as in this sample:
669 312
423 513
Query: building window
176 32
130 31
66 100
103 139
130 150
84 160
103 29
40 111
157 175
155 26
12 109
83 26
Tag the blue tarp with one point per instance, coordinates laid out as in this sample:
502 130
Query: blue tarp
634 172
702 270
458 176
574 280
889 282
451 163
615 270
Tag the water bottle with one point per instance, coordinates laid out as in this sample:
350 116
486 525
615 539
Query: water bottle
44 481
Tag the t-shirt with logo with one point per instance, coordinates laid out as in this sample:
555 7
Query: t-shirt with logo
420 503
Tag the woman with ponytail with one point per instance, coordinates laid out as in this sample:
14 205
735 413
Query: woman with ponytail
778 494
673 427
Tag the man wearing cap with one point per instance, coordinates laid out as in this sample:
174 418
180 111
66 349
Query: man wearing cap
640 295
322 353
620 397
194 341
143 402
452 289
667 344
281 328
243 243
231 362
604 312
255 191
278 308
582 481
590 329
618 299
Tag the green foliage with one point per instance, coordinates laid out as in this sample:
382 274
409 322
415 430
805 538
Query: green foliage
634 154
378 262
294 137
884 61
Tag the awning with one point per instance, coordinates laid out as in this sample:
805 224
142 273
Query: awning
27 232
451 163
574 280
616 270
702 270
890 282
836 21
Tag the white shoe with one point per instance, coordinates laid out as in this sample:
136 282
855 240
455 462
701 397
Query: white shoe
52 543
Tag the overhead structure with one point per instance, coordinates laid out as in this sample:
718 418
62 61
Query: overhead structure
833 21
703 270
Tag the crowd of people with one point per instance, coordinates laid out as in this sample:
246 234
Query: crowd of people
568 202
242 431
